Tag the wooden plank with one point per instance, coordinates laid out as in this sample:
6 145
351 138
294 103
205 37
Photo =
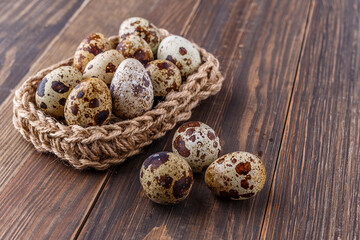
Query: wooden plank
315 193
258 44
40 197
27 27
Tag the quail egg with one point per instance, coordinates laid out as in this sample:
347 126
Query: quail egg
164 75
236 176
103 66
90 47
181 52
132 46
131 89
88 104
166 178
142 28
54 89
197 143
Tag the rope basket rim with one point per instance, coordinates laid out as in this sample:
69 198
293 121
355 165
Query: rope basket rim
101 147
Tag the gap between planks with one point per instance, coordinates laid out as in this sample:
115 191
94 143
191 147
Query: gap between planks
92 205
291 99
185 29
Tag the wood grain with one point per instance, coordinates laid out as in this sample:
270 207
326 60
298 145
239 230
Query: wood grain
27 27
258 45
40 197
291 96
159 233
315 193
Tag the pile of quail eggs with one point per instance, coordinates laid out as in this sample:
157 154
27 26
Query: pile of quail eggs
167 177
122 79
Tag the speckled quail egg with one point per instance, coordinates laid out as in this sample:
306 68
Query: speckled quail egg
197 143
181 52
132 46
54 89
103 66
90 47
164 75
89 104
166 178
142 28
131 89
236 176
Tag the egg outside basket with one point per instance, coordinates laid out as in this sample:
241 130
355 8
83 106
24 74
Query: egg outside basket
108 145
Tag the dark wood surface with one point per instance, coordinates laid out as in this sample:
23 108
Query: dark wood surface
316 187
291 96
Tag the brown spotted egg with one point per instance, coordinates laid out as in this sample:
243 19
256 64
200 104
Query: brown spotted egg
90 47
164 75
236 176
103 66
131 89
197 143
132 46
181 52
88 104
54 89
142 28
166 178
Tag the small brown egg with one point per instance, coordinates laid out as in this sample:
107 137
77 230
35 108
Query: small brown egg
181 52
164 75
88 104
197 143
132 46
54 89
166 178
103 66
142 28
236 176
90 47
131 90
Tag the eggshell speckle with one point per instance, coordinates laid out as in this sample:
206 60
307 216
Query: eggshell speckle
132 46
181 52
164 75
142 28
197 143
89 104
131 90
90 47
166 178
54 89
103 66
236 176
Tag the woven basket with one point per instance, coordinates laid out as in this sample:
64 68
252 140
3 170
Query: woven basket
108 145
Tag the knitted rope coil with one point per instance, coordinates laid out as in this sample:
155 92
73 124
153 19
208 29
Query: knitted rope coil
101 147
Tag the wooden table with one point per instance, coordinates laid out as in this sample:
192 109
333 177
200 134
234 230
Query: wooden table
291 95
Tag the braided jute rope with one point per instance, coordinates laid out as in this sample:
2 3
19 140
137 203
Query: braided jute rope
100 147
